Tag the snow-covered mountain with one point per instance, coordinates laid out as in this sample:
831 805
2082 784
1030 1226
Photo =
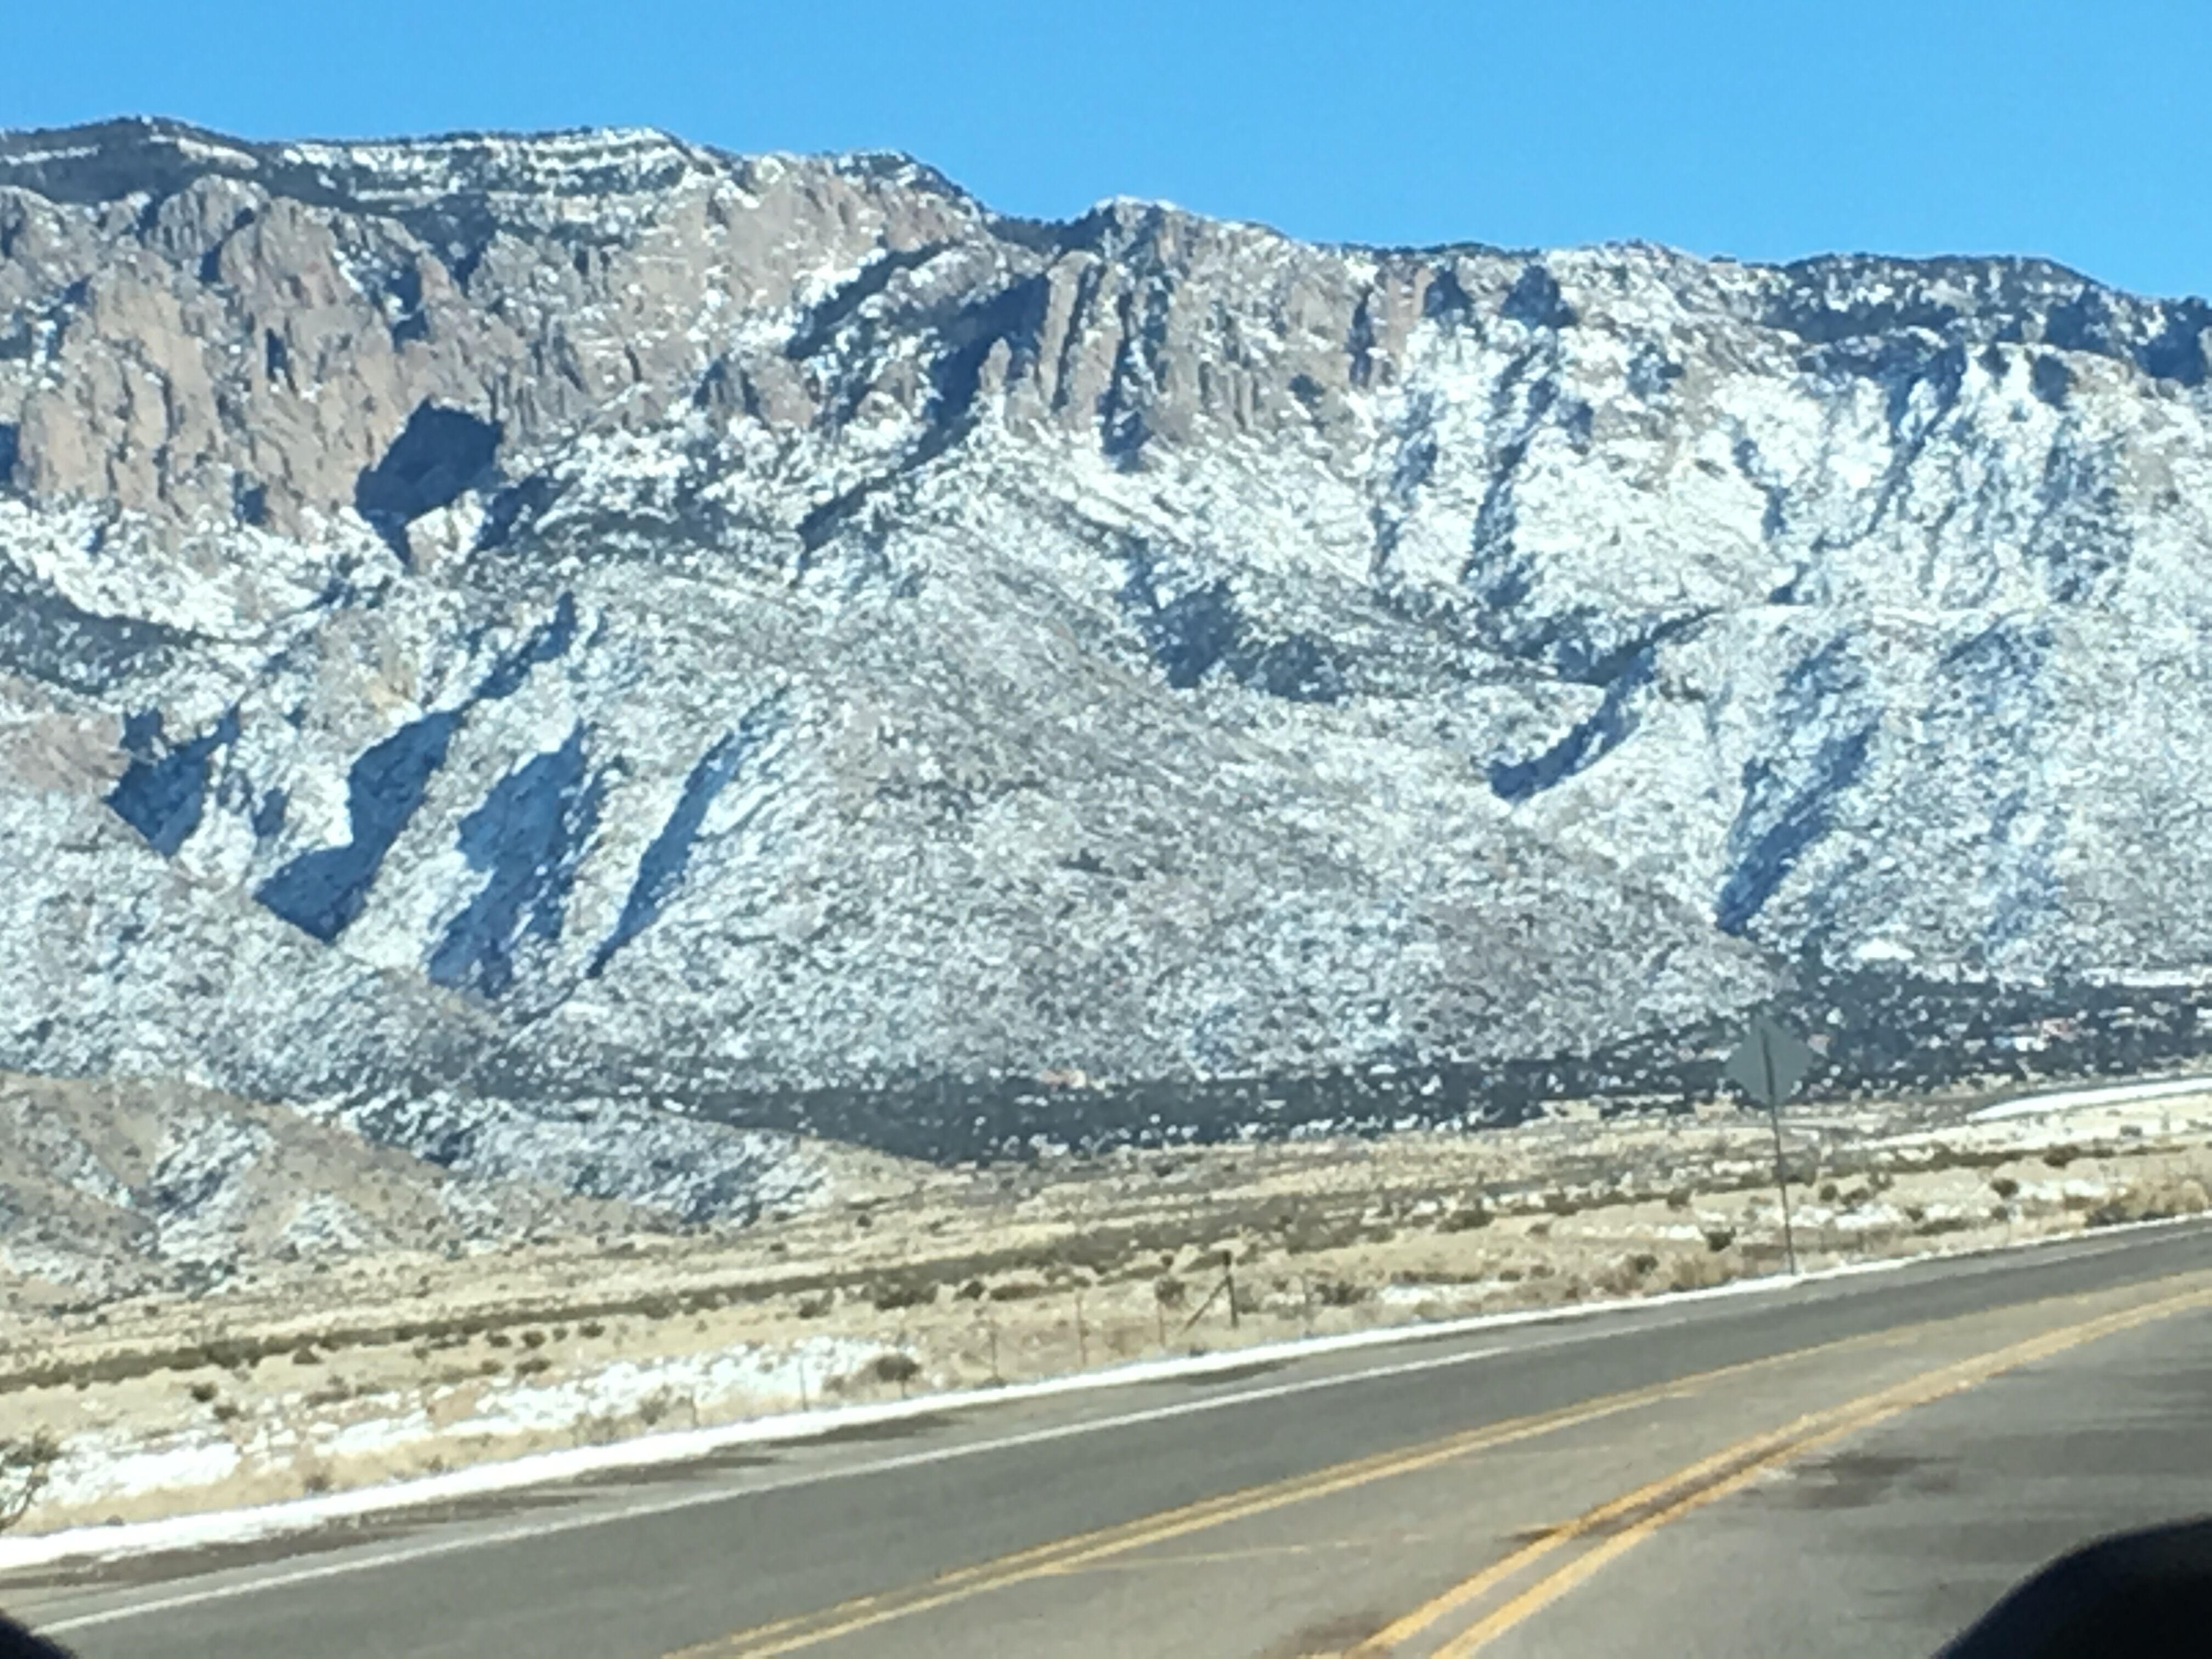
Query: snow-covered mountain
500 631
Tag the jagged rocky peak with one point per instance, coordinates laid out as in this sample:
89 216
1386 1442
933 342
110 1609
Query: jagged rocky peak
588 625
290 307
537 284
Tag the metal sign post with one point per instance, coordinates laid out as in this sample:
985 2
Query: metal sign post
1768 1065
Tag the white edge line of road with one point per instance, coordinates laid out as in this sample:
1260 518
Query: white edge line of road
231 1527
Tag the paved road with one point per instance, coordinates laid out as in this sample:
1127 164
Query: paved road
1856 1466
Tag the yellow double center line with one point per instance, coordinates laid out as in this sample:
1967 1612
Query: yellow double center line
1636 1514
1069 1554
1629 1519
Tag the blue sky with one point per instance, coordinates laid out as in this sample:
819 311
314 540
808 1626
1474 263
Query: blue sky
2074 130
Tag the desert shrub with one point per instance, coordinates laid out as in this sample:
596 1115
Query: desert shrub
500 1340
895 1293
1096 1252
27 1464
533 1339
532 1365
1616 1280
814 1307
1695 1273
1642 1262
973 1291
1018 1290
1719 1238
2186 1197
1464 1220
205 1393
1308 1233
591 1330
305 1355
896 1368
2059 1156
1338 1293
1169 1291
2005 1187
656 1405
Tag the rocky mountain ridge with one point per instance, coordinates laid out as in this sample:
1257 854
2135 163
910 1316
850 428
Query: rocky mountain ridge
503 632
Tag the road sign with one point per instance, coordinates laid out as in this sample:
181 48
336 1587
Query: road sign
1768 1065
1770 1062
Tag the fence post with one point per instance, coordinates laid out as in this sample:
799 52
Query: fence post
1229 1278
1082 1337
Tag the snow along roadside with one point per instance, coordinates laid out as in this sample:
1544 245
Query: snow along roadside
222 1526
2119 1094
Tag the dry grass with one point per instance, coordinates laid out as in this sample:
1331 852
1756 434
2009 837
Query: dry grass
968 1278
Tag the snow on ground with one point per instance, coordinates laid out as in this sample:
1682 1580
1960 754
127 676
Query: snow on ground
105 1465
2068 1100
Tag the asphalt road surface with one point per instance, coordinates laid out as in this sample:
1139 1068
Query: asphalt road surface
1856 1466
